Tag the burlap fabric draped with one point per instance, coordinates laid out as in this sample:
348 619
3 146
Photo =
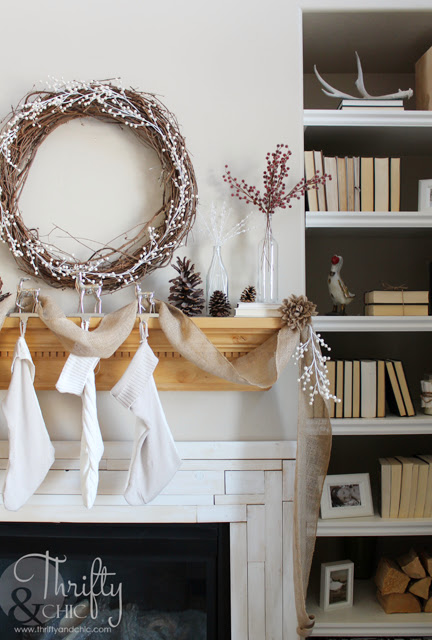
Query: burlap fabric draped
261 367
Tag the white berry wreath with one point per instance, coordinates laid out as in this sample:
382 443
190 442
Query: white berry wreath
36 116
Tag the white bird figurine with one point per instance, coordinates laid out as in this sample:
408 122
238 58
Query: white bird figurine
338 290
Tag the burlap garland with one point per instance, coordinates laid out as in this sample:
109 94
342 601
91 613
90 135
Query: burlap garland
260 367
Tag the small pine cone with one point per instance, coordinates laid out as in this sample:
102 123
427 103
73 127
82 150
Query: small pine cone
219 306
297 312
248 294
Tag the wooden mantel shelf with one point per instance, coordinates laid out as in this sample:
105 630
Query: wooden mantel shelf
232 336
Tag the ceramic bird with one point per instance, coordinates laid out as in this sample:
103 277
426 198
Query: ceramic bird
338 290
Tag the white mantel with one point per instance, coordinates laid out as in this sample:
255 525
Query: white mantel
248 484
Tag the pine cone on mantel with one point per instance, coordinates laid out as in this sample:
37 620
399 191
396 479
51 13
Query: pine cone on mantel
185 293
219 306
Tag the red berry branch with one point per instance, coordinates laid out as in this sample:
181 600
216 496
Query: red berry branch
274 194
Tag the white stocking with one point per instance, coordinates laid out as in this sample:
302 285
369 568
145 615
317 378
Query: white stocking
31 453
155 458
77 377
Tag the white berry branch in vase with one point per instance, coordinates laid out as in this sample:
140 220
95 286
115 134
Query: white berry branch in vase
273 196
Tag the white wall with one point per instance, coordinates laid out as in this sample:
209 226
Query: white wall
230 71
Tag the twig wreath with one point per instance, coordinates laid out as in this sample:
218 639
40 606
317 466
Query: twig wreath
36 116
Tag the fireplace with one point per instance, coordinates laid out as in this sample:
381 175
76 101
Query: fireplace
164 581
247 487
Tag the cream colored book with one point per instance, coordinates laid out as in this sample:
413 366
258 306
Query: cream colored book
367 184
368 388
396 481
309 173
414 488
339 388
396 310
331 373
331 186
356 389
400 373
428 500
342 184
380 389
357 186
348 389
319 166
396 297
423 473
393 392
385 487
350 183
394 184
407 474
381 184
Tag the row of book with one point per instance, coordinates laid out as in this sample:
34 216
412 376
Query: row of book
396 303
357 184
364 387
406 486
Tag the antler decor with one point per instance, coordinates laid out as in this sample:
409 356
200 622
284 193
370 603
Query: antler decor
335 93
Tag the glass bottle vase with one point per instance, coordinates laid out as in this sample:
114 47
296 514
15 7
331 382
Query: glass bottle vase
217 277
268 265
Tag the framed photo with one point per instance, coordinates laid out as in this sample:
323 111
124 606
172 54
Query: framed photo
425 195
346 496
337 585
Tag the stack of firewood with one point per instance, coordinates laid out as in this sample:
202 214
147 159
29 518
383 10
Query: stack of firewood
404 584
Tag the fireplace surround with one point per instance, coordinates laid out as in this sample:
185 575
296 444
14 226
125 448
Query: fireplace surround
247 485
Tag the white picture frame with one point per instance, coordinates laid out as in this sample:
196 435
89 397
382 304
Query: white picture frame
346 495
425 195
337 585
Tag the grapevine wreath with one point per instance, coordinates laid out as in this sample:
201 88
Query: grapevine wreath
36 116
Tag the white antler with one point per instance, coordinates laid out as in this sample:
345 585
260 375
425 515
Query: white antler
332 92
335 93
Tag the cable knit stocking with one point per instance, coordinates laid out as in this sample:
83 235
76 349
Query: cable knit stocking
77 377
154 459
31 453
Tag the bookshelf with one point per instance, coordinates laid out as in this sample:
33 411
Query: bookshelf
377 247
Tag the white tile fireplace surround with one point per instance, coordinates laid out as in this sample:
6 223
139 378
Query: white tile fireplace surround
248 484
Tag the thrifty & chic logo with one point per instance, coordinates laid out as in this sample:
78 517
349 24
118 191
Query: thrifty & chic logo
32 591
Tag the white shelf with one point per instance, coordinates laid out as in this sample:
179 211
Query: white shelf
374 526
372 323
391 425
367 618
368 220
368 118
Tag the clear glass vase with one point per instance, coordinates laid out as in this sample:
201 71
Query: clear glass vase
268 256
217 277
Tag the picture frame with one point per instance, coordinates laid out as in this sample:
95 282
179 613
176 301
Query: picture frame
337 585
346 496
425 195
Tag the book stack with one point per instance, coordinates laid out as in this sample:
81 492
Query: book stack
357 184
258 310
396 303
406 486
368 105
363 387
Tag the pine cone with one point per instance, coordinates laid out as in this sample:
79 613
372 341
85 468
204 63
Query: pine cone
297 311
184 292
248 294
219 306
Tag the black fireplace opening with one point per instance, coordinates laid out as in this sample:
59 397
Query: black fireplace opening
115 581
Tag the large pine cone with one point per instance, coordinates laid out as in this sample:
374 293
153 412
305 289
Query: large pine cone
248 294
184 292
219 306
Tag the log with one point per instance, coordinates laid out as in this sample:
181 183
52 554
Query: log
421 587
399 603
426 559
411 565
428 606
389 578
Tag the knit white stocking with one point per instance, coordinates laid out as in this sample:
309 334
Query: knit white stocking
78 377
155 458
31 453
